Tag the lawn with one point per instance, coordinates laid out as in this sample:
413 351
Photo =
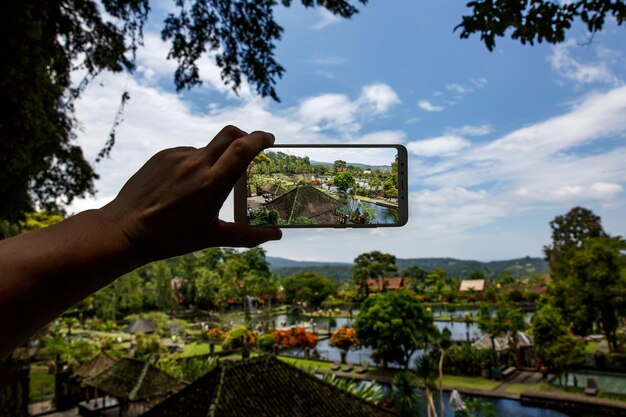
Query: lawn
592 347
519 388
194 349
307 363
41 385
470 382
580 391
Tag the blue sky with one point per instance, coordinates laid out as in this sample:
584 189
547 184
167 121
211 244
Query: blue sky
499 142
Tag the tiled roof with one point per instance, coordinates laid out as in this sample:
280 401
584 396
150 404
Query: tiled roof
379 284
134 380
140 325
274 189
308 202
263 387
502 342
97 365
472 284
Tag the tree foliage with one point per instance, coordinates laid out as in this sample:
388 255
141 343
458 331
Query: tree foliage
45 43
344 339
309 287
598 280
530 21
555 346
344 181
587 270
395 325
372 265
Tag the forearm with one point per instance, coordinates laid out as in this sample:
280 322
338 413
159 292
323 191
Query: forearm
43 273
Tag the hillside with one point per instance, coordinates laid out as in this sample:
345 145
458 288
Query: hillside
522 267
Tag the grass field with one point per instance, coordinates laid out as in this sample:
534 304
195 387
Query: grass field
519 388
194 349
41 385
306 363
470 382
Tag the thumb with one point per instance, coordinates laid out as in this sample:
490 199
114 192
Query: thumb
242 235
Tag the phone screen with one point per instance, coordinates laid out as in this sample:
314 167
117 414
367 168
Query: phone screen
344 186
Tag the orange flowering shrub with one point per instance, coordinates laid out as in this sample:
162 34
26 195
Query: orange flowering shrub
240 336
296 338
282 337
345 339
215 334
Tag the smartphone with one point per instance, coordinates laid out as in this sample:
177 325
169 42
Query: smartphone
340 186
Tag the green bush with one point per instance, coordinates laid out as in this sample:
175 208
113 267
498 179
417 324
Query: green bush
266 342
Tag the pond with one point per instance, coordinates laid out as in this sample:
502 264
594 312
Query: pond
384 215
458 329
606 382
503 407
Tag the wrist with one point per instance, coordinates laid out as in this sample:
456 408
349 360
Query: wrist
112 225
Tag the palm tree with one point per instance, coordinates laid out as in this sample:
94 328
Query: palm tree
404 394
426 373
443 343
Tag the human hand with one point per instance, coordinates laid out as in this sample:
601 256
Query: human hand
171 205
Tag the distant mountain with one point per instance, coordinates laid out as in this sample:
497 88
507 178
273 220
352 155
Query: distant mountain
356 165
288 263
342 271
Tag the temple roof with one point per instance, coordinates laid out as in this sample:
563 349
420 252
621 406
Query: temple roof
274 189
308 202
502 342
380 284
472 284
140 325
97 365
263 387
134 380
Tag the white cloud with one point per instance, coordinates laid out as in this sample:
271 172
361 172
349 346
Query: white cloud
471 130
598 71
571 193
479 82
597 116
380 96
429 107
153 66
458 88
338 111
448 195
382 137
542 163
326 18
439 146
329 61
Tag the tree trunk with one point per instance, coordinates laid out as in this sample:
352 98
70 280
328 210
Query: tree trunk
441 411
430 407
495 354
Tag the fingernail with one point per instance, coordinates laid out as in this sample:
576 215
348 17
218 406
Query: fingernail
272 136
278 234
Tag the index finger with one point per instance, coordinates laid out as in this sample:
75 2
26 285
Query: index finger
232 164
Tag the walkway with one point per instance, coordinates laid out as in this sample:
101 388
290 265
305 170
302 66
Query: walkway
523 377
